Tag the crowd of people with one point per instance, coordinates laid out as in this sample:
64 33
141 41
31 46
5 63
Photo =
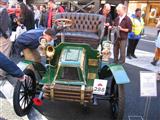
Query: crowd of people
130 30
35 22
29 23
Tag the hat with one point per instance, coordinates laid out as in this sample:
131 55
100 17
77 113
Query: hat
51 31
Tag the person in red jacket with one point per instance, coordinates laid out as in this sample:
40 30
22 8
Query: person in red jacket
52 12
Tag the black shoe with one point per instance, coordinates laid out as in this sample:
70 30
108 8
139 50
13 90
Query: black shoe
129 57
134 56
153 63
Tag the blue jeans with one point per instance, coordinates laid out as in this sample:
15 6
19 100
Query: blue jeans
10 67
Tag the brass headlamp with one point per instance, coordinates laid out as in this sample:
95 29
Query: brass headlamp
50 51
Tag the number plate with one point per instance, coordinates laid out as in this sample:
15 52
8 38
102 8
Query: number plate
99 86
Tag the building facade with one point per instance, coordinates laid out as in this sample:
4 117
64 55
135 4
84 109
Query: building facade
150 10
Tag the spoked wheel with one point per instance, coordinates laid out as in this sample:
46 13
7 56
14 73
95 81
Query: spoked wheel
24 92
117 101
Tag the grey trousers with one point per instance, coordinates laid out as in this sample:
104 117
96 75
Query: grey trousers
5 48
120 47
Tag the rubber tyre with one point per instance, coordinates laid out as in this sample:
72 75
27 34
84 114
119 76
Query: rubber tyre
27 94
118 102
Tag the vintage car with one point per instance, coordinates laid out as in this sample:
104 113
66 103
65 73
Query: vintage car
74 70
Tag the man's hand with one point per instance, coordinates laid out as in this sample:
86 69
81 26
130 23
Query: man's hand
23 78
123 29
110 27
106 24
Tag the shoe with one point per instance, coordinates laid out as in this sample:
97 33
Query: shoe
129 57
134 56
154 62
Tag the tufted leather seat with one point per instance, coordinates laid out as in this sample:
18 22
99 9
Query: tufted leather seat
87 28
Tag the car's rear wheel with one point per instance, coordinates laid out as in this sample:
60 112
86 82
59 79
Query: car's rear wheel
117 101
24 92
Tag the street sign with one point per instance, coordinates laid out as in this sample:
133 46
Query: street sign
148 84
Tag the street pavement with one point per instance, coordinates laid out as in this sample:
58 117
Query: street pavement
134 105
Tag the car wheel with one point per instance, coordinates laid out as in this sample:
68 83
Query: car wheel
24 92
117 101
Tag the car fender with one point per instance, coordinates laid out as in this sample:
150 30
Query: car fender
118 73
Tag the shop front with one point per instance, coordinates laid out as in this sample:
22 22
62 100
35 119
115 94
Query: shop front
150 10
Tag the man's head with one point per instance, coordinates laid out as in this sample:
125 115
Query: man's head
43 8
49 34
138 12
121 9
106 9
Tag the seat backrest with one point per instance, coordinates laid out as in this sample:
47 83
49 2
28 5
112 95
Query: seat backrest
83 22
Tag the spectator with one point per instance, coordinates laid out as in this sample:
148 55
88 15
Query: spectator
157 50
26 17
44 15
51 13
106 13
5 43
28 42
36 16
135 35
53 9
125 25
13 17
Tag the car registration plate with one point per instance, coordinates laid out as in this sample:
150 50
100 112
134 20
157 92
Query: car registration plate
99 86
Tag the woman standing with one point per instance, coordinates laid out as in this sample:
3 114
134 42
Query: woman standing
157 50
26 17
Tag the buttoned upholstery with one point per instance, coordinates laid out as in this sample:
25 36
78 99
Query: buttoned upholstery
87 28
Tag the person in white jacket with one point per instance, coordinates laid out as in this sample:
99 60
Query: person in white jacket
157 50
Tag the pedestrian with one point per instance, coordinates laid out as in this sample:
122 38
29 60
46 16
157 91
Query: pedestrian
106 12
36 16
26 17
11 68
5 43
51 13
123 22
157 49
28 42
135 35
53 10
43 16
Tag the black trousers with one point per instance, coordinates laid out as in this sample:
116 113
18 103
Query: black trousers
132 44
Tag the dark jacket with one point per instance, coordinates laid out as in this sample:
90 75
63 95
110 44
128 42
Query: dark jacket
29 39
28 20
10 67
44 19
4 22
125 23
108 20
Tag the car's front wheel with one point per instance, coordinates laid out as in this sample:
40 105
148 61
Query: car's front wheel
24 92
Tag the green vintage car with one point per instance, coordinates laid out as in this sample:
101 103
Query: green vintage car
73 72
